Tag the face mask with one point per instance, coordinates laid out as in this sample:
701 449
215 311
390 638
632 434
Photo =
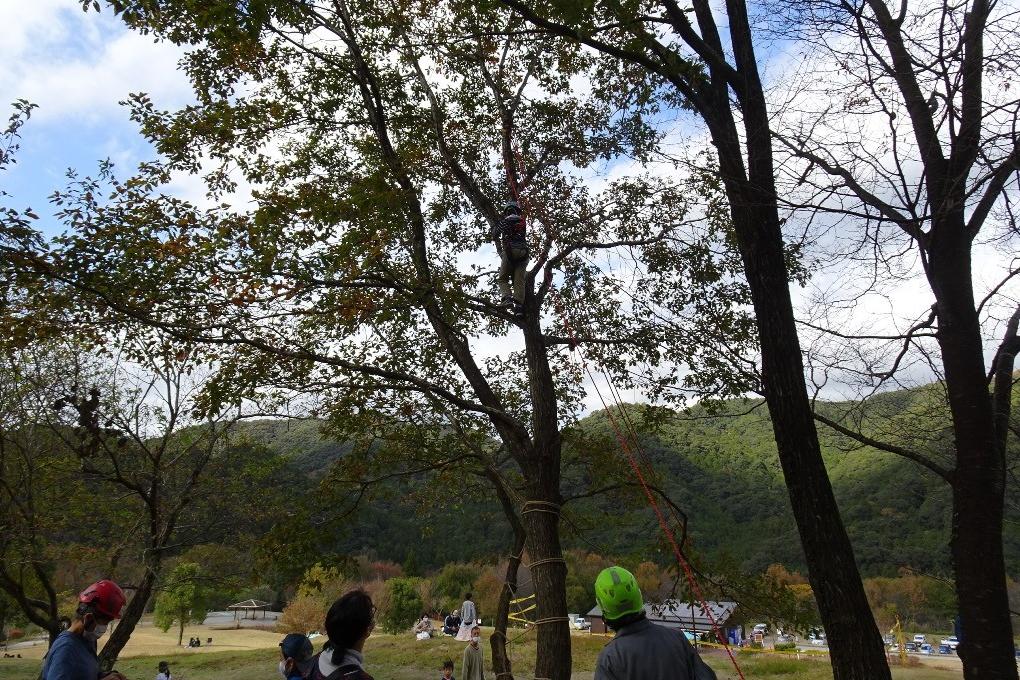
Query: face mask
283 669
97 632
475 639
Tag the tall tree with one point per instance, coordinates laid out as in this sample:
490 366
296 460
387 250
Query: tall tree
379 142
719 78
923 156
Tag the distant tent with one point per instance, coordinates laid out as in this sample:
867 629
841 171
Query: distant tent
247 606
676 615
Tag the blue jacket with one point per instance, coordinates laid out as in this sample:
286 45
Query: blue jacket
71 657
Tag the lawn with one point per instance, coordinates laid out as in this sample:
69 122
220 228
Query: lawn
392 657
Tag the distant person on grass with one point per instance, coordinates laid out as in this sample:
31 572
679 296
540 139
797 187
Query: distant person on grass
349 622
296 652
73 655
468 618
641 650
448 670
451 624
473 665
164 671
423 629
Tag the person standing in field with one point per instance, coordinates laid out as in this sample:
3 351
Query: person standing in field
641 650
468 618
73 655
473 665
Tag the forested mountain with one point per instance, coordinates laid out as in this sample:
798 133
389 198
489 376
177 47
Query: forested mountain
720 467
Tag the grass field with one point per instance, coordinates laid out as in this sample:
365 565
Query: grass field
391 657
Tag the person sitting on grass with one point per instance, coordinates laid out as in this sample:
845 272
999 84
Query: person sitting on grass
451 624
423 629
295 650
448 670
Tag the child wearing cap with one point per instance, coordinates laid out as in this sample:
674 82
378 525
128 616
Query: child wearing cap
295 649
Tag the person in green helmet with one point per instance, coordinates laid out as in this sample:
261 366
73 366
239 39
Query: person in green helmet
641 650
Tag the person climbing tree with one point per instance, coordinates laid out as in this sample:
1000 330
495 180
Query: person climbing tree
513 257
641 649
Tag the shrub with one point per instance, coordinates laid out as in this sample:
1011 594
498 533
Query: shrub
304 614
785 646
403 605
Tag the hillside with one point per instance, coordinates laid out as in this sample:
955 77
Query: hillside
721 468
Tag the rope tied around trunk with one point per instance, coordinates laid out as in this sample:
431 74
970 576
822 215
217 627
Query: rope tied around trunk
541 506
552 619
548 560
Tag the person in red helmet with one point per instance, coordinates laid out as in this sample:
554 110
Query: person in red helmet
73 655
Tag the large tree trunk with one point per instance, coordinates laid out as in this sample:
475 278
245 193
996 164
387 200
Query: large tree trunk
131 616
855 645
978 483
549 574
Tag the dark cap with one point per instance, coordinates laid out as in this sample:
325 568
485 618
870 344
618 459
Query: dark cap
296 646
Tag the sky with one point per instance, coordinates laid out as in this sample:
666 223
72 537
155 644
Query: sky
76 67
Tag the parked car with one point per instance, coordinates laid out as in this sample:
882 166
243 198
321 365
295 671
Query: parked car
760 628
926 648
911 646
581 623
919 639
944 648
817 640
952 642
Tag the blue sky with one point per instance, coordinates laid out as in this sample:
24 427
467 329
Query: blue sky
77 66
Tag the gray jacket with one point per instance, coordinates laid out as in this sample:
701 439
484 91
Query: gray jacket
645 651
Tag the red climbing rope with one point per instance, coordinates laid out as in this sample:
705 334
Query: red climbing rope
636 468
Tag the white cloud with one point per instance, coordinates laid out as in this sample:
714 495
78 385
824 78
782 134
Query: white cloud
78 66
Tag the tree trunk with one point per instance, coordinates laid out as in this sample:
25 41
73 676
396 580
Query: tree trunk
549 574
180 632
986 644
132 614
500 655
855 645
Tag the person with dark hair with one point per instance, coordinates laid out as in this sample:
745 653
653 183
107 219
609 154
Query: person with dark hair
473 665
423 629
641 650
448 670
164 671
349 622
296 652
468 618
451 624
73 654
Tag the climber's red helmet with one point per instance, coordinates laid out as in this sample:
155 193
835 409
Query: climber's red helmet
104 597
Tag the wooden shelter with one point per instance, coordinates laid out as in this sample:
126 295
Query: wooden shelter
252 606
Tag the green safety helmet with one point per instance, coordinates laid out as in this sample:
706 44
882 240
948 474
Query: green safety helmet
618 594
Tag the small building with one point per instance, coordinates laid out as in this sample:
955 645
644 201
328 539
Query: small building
676 615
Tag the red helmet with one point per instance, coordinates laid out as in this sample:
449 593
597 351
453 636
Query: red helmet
105 597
